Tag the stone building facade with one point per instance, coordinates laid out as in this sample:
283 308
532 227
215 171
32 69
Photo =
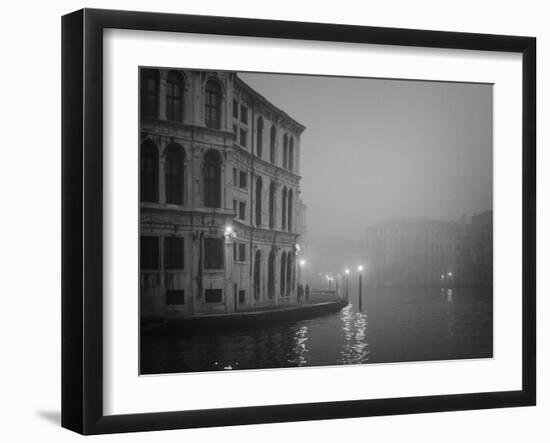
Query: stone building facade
219 195
428 252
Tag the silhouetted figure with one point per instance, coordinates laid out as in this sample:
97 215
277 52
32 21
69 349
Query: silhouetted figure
307 292
300 293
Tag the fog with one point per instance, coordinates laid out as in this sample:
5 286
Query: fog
375 149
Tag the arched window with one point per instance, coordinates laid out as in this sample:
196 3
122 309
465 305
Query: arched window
291 154
149 93
282 279
285 151
259 136
213 100
259 201
271 275
272 197
149 172
257 274
288 273
284 208
289 213
173 173
174 96
272 143
212 179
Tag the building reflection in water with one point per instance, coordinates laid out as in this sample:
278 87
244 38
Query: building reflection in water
354 347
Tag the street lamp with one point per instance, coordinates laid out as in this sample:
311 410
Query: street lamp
346 272
301 264
329 279
360 269
229 233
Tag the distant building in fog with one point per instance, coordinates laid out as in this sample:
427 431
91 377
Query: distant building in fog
220 212
428 252
475 263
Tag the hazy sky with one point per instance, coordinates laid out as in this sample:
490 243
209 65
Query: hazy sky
375 149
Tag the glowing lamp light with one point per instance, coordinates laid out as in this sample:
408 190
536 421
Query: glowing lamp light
229 233
450 274
347 271
302 263
360 268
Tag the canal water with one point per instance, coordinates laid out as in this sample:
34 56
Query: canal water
394 325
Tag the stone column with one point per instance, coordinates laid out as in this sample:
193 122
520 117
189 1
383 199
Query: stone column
187 181
196 177
162 179
162 273
297 155
198 102
188 98
162 95
223 183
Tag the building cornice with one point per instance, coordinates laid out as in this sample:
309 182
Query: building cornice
259 98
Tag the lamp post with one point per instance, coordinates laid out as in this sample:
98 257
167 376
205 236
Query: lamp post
301 265
329 279
360 269
346 272
230 235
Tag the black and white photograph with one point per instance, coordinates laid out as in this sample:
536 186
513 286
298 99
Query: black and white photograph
302 220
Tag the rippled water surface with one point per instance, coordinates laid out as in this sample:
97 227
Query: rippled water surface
394 325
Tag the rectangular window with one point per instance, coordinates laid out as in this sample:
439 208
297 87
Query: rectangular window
235 206
149 93
242 137
242 211
149 253
213 253
244 114
212 295
235 177
235 109
242 180
242 296
175 297
173 101
239 252
173 253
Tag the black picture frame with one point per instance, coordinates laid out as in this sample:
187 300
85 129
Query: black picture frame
82 218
